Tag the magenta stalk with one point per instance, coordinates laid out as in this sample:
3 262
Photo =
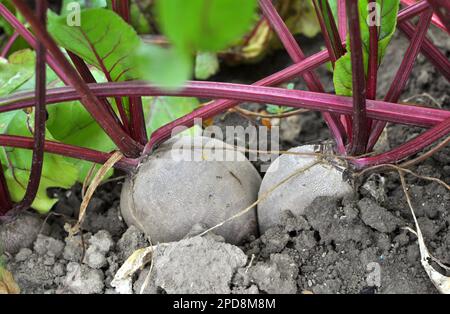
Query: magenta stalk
137 120
377 109
435 20
403 72
408 149
428 49
436 57
407 64
442 9
329 29
372 74
122 7
360 132
9 44
126 144
51 147
334 45
87 76
40 116
342 18
5 198
297 55
29 38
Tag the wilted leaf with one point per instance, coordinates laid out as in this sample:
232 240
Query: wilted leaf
206 65
123 279
7 283
300 17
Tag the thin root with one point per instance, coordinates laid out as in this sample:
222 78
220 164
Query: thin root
392 167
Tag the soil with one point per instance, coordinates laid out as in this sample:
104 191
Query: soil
355 244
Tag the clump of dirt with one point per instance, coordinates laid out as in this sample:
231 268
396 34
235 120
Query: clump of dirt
194 265
349 246
54 266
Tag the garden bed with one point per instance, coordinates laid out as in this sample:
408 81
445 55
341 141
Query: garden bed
332 248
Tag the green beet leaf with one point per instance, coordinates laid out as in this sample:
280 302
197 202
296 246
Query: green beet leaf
162 110
16 71
140 17
166 67
343 68
191 26
205 25
275 109
206 65
56 173
103 39
71 124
